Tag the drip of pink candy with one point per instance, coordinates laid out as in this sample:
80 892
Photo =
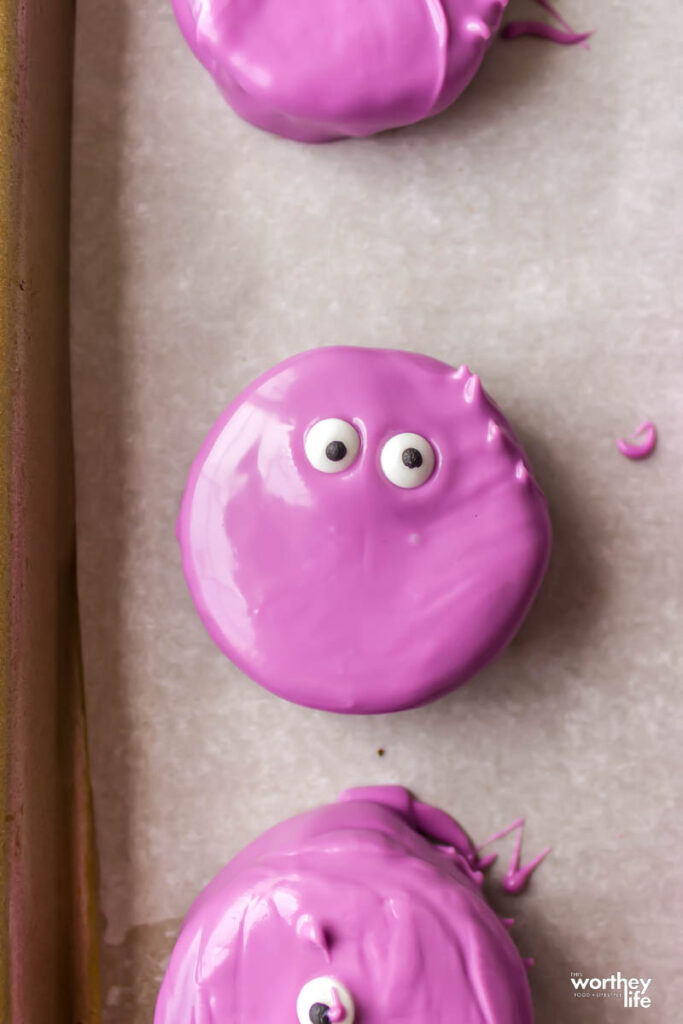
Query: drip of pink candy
565 35
516 876
335 1011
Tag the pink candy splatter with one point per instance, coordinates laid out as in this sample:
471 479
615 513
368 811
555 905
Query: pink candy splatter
565 35
515 877
542 31
636 448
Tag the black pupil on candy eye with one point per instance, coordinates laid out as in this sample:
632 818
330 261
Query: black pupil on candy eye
411 458
318 1014
335 452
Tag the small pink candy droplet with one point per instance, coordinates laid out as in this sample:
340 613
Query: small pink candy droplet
639 449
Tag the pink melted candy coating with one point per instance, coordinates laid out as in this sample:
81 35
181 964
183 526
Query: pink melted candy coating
565 36
517 29
643 443
343 591
315 71
379 893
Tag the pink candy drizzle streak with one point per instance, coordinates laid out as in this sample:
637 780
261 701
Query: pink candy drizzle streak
640 450
565 36
515 877
336 1012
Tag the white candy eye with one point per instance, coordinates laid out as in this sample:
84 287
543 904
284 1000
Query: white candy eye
407 460
331 445
325 1001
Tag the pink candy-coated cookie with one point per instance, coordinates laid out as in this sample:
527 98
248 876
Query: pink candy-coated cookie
317 71
369 910
361 532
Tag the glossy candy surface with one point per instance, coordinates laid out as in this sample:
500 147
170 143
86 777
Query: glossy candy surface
315 71
360 531
367 910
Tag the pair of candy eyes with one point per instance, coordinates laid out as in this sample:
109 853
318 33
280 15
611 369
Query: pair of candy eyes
325 1001
332 445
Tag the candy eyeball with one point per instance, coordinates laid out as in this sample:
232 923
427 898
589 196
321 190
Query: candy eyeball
407 460
325 1001
332 445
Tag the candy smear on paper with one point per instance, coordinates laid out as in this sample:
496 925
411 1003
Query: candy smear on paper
641 444
564 35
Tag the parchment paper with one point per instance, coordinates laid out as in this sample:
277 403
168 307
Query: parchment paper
533 231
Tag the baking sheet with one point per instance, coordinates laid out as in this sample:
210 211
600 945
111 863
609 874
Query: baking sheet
533 231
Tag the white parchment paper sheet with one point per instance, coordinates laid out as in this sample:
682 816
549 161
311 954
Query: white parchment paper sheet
533 231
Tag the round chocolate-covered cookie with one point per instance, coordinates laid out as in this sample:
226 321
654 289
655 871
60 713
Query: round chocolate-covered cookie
366 910
361 531
316 71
